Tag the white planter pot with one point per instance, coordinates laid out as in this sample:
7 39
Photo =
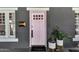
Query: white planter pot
52 45
60 42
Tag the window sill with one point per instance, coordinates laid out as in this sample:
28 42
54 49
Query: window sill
8 39
76 38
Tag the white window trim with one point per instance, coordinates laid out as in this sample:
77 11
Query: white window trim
6 38
76 38
76 10
8 9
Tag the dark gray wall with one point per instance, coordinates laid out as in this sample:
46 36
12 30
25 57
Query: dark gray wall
21 33
62 16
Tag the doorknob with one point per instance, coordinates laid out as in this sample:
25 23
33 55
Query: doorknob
32 33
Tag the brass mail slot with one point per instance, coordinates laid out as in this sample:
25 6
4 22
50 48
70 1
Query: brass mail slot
22 24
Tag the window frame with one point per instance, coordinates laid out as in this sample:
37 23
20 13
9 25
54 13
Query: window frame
7 27
2 24
76 13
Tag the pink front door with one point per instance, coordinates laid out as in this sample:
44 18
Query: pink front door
38 28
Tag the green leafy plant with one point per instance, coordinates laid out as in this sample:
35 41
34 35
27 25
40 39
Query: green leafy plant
61 35
57 34
54 34
52 38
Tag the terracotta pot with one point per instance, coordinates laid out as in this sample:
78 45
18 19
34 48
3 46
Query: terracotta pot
52 45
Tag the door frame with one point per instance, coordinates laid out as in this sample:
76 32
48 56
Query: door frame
36 9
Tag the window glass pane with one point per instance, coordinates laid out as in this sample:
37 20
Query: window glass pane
11 29
2 23
2 29
41 15
11 23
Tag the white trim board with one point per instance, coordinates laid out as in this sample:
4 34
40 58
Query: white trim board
76 11
43 9
8 39
8 9
75 39
76 8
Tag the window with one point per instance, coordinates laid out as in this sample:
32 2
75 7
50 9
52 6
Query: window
2 23
38 17
7 24
76 18
11 24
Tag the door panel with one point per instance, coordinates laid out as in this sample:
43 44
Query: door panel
38 28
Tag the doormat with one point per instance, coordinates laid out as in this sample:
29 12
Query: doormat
38 48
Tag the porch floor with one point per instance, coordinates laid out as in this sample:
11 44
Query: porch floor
29 50
14 50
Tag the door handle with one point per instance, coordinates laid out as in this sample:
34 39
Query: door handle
32 33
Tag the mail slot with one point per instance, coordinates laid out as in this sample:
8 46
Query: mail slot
22 24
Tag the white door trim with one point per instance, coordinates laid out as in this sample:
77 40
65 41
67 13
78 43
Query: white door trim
41 9
37 9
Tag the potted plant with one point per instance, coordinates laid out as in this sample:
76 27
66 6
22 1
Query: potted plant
56 38
52 42
60 37
52 39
